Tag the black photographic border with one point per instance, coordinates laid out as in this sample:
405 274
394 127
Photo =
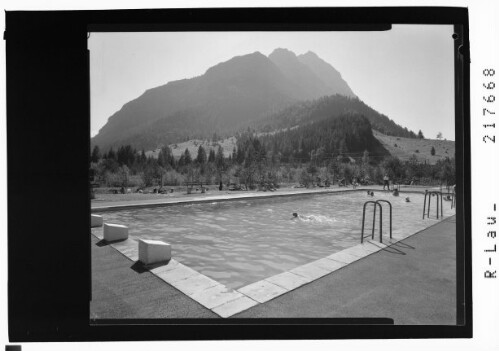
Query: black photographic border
48 146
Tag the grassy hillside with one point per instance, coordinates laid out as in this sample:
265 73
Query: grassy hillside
403 148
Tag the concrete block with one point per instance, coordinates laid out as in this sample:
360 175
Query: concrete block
113 232
154 251
96 221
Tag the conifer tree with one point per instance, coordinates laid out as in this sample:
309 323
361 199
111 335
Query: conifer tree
201 158
211 157
187 157
95 154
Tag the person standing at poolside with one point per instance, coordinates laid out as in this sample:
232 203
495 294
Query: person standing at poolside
386 181
354 182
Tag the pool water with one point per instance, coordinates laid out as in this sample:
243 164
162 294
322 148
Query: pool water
241 242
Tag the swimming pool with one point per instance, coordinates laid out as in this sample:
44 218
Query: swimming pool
241 242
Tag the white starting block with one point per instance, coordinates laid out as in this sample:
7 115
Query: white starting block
153 251
113 232
96 221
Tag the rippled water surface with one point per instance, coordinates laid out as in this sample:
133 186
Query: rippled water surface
244 241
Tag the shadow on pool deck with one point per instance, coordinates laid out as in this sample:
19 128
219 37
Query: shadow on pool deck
413 282
120 289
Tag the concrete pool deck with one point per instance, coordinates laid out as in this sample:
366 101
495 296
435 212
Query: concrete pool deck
412 281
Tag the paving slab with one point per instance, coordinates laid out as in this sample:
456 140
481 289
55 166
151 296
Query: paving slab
195 284
216 296
287 280
129 250
374 244
180 272
99 234
393 240
125 244
328 265
357 250
310 271
167 266
262 291
343 257
368 247
235 306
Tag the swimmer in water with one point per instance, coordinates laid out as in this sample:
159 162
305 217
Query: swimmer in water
372 193
395 192
296 215
407 199
314 219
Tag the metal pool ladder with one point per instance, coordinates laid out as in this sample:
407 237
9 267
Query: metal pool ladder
376 204
429 194
453 201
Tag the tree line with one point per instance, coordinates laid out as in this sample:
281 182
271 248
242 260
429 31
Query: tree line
327 151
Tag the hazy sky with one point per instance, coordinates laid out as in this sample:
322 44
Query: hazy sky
406 73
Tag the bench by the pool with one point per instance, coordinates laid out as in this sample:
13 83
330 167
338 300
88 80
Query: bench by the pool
114 232
154 251
96 221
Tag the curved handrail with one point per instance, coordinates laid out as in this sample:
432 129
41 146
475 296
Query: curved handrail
374 220
424 202
440 204
452 197
388 202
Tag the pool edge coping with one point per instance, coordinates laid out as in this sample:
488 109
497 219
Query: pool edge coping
239 196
